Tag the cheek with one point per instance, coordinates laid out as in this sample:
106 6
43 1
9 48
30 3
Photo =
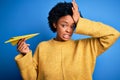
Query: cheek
60 30
60 33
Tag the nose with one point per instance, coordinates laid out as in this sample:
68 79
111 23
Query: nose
68 30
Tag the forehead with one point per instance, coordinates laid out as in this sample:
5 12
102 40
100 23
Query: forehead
66 19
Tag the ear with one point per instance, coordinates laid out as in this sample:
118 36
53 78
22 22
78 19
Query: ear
54 24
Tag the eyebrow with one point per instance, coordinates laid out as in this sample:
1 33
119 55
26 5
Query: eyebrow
73 24
66 22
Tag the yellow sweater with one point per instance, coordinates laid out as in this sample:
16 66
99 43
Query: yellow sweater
70 60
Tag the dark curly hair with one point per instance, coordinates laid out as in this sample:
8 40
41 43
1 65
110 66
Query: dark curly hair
58 11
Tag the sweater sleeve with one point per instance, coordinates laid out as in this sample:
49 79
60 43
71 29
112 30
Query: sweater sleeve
103 36
27 65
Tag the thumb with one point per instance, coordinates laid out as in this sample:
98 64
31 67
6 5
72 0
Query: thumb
28 44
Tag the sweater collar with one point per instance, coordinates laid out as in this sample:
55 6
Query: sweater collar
55 42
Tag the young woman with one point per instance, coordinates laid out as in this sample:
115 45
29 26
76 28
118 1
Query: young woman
62 58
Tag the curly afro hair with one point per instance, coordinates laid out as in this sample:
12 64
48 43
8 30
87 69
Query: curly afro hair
59 10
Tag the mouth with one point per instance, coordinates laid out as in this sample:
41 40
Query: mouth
67 36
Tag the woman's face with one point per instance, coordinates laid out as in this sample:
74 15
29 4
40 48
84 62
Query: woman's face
64 28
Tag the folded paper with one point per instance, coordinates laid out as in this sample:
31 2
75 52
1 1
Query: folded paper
14 40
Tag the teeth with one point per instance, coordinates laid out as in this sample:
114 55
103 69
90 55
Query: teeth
66 36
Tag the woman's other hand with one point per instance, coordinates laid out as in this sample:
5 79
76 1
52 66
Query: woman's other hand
22 47
76 14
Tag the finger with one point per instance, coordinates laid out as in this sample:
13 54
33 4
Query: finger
75 7
21 40
25 49
21 46
73 0
28 45
20 43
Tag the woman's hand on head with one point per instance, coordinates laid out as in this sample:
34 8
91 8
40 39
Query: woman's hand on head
76 14
22 47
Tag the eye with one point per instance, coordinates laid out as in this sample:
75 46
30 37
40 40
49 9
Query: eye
63 25
73 26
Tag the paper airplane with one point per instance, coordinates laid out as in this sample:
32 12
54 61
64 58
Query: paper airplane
14 40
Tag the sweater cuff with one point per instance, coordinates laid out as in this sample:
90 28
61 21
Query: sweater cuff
80 26
24 61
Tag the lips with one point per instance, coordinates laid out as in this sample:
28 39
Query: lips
66 36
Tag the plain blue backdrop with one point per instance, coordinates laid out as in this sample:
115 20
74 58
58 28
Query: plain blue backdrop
20 17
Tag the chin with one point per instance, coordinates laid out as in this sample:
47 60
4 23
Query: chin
66 39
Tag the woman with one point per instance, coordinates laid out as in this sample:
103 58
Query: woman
62 58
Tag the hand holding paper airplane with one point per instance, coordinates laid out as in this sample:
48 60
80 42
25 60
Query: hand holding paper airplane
14 40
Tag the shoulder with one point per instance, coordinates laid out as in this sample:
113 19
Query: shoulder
43 43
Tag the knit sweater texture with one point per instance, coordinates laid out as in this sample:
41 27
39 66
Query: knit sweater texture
68 60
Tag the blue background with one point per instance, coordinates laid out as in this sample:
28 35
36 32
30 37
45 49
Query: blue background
20 17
